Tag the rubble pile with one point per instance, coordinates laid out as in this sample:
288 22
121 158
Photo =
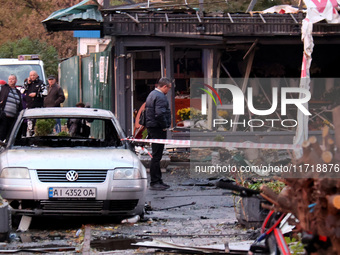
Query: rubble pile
312 191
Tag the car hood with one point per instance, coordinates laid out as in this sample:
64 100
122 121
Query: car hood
65 158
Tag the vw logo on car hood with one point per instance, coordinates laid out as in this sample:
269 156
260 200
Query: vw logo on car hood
72 176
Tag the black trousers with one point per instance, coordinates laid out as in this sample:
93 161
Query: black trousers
6 126
157 153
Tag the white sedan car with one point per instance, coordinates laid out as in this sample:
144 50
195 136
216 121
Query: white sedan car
86 168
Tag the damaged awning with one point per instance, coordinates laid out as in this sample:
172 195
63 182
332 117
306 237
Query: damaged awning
77 17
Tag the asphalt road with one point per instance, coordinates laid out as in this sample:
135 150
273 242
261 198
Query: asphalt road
191 213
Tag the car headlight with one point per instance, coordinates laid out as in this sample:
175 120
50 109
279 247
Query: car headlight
15 173
126 173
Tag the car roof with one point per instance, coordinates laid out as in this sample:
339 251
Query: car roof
66 112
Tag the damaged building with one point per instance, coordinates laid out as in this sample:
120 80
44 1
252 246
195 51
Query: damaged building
151 41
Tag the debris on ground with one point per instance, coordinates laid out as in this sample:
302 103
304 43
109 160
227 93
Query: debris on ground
4 220
312 192
240 248
133 219
189 215
25 223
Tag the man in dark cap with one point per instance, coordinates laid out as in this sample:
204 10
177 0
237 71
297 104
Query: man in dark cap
55 97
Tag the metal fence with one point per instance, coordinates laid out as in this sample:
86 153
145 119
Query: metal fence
87 79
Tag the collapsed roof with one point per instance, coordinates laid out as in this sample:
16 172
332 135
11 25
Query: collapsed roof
169 21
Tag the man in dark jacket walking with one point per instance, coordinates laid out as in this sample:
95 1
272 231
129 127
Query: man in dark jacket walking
10 106
158 119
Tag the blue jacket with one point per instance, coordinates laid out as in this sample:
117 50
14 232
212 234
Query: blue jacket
157 110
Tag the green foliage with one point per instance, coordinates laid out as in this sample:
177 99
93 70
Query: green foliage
265 4
44 127
276 186
63 133
47 53
295 246
236 6
219 138
144 133
117 2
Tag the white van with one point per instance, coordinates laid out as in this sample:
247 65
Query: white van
21 68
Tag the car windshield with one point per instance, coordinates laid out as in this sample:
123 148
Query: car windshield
67 132
21 71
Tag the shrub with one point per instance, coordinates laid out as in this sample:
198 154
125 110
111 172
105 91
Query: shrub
44 127
63 133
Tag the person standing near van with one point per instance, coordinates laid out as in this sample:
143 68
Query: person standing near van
34 92
10 106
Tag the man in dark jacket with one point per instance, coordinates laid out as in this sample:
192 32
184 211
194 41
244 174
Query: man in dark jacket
35 90
158 119
10 106
55 95
54 98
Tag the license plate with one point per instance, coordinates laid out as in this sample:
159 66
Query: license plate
72 192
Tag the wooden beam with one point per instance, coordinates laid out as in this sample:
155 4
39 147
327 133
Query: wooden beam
229 75
245 82
251 5
264 21
336 121
293 18
198 17
251 48
231 19
201 7
131 17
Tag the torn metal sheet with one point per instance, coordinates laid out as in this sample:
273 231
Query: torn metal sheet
39 249
240 247
25 223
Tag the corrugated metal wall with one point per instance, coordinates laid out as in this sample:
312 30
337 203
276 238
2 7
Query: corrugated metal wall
69 80
87 79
